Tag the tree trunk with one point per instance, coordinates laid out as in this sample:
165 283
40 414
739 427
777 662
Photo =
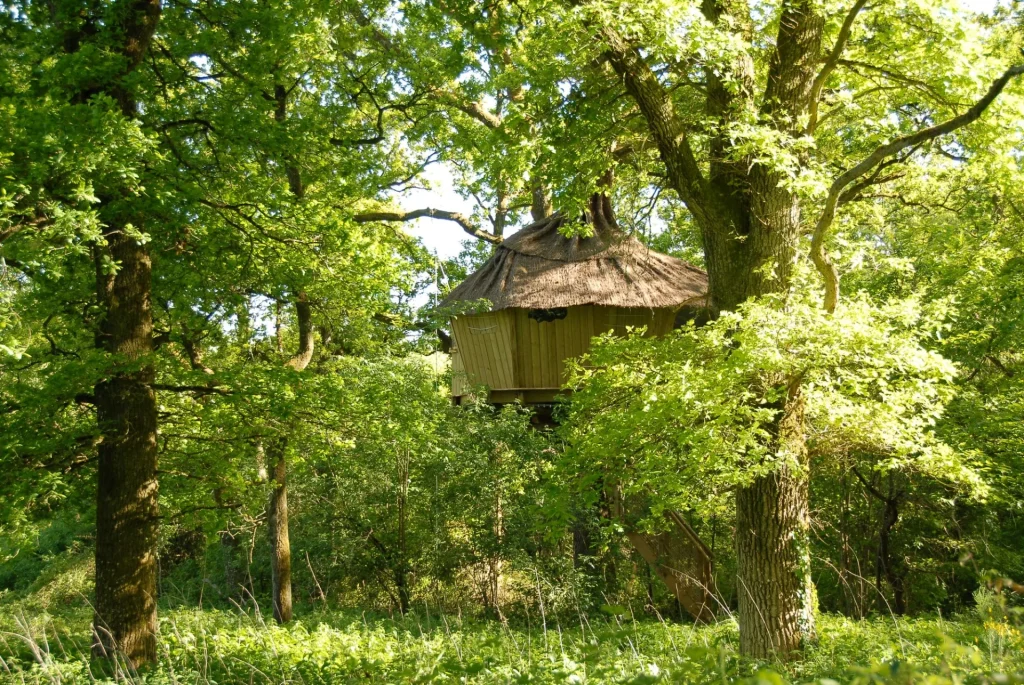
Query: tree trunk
750 224
280 547
885 564
229 548
402 565
126 503
776 595
277 509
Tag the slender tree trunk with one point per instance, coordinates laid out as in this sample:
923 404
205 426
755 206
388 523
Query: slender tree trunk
849 600
280 547
401 561
886 565
229 548
126 503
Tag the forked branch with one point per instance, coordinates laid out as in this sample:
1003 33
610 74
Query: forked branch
818 255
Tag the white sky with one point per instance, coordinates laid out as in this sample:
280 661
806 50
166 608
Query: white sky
444 238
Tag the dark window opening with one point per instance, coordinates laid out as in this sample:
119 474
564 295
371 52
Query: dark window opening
545 315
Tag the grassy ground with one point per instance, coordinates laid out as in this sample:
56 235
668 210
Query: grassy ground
332 647
44 638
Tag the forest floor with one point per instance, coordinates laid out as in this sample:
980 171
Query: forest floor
218 646
44 638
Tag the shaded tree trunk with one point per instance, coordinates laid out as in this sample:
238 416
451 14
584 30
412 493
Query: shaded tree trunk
232 580
126 503
885 564
280 546
401 568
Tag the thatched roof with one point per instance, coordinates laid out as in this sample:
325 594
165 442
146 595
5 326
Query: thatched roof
539 268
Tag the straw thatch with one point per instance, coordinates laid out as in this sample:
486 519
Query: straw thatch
539 268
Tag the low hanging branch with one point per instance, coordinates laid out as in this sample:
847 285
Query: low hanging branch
818 255
460 219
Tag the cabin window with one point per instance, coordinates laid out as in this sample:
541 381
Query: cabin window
546 315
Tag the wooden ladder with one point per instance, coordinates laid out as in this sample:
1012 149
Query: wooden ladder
678 556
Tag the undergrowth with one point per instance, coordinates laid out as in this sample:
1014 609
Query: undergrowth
45 638
220 646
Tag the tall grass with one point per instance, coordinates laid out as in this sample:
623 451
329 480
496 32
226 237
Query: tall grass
204 647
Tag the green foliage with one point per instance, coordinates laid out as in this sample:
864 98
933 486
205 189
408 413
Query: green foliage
687 416
220 646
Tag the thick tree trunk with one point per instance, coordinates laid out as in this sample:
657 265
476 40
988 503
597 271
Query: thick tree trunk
776 596
126 503
280 547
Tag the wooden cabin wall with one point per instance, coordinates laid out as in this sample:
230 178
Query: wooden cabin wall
507 350
460 385
486 344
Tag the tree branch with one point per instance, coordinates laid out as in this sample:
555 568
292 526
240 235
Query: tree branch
832 61
458 218
199 389
478 112
867 486
656 106
818 255
304 313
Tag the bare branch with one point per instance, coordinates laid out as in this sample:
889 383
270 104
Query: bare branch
820 258
897 77
458 218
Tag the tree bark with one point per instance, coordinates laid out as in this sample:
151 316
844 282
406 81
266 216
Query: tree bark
280 546
126 502
776 595
277 507
124 621
885 565
401 569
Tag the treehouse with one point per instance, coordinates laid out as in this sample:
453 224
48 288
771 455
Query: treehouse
549 295
545 296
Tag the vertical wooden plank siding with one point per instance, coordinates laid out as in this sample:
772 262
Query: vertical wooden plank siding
505 349
459 385
485 347
508 350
